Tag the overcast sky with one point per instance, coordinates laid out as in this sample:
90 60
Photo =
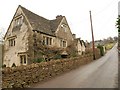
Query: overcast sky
104 14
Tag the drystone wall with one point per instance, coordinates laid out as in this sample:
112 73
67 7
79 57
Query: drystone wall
25 76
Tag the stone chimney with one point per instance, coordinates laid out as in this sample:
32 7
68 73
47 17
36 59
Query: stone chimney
59 16
74 36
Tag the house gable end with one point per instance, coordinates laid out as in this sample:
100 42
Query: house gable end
63 24
63 31
17 15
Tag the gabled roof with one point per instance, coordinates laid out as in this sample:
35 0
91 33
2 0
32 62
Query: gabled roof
76 41
81 41
54 23
41 24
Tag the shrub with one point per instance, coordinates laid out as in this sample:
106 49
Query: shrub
38 60
58 56
101 50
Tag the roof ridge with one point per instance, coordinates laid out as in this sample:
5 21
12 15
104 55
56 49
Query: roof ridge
23 8
40 23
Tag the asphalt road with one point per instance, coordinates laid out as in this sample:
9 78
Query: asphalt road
101 73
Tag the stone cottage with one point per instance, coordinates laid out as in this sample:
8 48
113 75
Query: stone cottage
29 32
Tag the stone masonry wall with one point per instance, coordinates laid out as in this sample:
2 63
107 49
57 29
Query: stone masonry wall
25 76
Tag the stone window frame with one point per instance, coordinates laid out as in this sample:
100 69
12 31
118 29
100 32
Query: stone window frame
24 57
18 20
63 43
11 41
47 40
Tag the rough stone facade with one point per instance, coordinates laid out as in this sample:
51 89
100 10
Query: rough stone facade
29 33
20 34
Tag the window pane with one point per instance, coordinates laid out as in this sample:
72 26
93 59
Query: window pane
11 42
47 41
50 41
43 40
24 59
21 60
14 42
64 43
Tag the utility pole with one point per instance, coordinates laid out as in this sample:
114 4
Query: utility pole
93 44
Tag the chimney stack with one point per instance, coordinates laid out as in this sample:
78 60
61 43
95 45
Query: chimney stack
59 16
74 36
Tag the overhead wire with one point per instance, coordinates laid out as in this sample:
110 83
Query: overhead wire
105 8
109 19
109 15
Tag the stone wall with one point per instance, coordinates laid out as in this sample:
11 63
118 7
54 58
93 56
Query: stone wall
25 76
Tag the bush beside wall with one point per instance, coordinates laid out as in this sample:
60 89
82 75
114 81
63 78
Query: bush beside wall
25 76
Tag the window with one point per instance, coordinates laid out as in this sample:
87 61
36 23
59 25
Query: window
43 40
23 59
47 40
60 43
18 21
64 26
50 41
12 42
64 43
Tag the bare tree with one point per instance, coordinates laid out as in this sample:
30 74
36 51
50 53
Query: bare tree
2 33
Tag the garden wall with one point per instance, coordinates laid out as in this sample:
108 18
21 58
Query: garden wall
25 76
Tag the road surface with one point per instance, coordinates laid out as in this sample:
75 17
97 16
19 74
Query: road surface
101 73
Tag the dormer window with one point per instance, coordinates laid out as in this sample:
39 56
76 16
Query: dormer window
18 21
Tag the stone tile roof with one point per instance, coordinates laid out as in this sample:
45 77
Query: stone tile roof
41 24
54 24
81 41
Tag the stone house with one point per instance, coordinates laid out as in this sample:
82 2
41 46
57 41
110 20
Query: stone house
79 46
29 32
